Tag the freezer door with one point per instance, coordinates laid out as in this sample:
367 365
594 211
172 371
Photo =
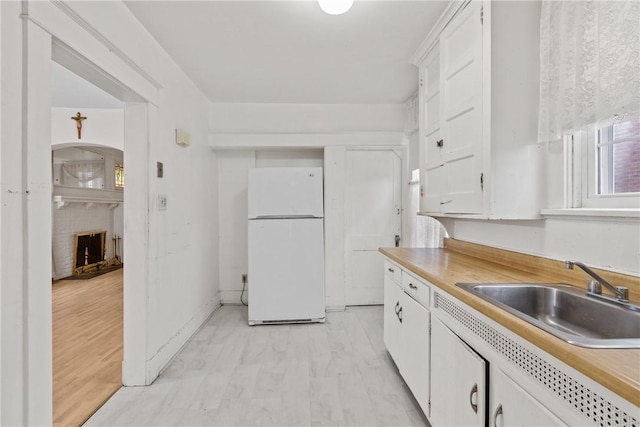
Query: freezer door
286 270
285 192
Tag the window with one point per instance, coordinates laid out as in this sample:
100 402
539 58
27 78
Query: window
119 175
606 165
618 158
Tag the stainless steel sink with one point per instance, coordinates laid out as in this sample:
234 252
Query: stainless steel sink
566 312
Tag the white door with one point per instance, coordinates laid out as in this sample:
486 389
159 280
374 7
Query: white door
458 380
461 117
513 406
372 220
392 324
416 340
431 143
285 192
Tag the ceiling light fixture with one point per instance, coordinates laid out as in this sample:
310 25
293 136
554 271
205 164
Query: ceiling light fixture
335 7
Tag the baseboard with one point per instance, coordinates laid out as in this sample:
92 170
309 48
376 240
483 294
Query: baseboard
172 347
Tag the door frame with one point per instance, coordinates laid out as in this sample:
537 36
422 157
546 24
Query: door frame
26 353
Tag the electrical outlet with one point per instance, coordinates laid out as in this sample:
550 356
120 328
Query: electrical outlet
162 202
244 279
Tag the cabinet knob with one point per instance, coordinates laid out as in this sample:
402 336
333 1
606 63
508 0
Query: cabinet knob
440 143
474 390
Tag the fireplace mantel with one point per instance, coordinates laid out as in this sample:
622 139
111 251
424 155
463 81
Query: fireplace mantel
63 196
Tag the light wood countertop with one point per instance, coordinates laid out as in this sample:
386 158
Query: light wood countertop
616 369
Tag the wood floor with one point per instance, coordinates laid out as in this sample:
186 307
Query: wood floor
87 345
231 374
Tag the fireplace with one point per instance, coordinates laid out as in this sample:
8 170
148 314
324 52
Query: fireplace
89 253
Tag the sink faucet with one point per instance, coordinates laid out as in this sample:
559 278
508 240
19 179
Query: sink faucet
621 293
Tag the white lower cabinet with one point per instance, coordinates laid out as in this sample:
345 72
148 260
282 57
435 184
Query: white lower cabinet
462 382
465 370
406 336
512 406
458 380
392 318
416 341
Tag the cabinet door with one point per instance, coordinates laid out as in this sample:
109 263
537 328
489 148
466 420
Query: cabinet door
430 108
461 116
392 315
458 380
416 352
512 406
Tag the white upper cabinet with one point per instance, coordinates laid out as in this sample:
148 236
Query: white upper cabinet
479 111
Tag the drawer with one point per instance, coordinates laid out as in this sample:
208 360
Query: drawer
417 288
393 271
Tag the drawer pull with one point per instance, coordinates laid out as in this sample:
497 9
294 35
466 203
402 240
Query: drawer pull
496 414
400 315
412 286
474 390
390 269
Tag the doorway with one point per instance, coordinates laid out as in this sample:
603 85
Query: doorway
373 219
87 240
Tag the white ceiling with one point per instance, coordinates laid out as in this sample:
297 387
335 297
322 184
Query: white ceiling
291 51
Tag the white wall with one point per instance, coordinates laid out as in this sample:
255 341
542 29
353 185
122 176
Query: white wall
232 221
102 127
605 243
305 118
176 282
263 135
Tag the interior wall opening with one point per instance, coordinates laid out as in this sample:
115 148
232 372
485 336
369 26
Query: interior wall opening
88 171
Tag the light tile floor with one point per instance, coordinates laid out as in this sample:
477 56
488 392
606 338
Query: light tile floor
231 374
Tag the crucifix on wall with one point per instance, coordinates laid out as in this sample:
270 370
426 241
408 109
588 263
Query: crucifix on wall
78 118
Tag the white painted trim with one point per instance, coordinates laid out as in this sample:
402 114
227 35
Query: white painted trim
37 235
136 244
170 349
90 56
433 37
105 41
245 141
592 212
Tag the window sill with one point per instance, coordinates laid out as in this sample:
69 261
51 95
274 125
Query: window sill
592 212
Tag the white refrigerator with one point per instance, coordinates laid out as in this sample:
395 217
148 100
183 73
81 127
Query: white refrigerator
286 246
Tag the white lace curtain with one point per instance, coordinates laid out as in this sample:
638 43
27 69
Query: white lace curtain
589 64
411 115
